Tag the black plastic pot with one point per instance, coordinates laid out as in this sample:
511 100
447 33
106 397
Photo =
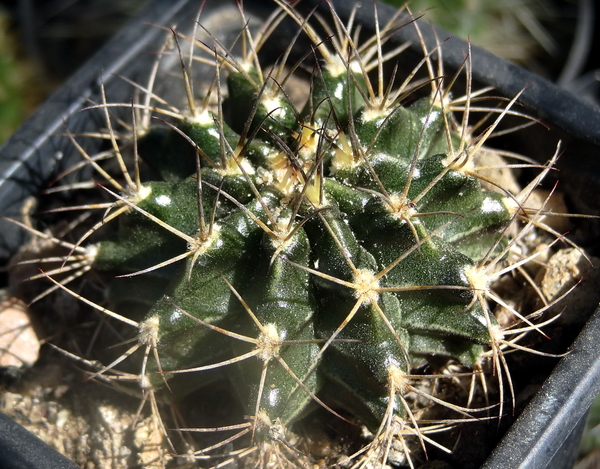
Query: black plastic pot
20 449
547 433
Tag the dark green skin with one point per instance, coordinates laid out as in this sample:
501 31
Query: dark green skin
274 123
334 99
426 307
284 299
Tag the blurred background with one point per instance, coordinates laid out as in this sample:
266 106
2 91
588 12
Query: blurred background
43 42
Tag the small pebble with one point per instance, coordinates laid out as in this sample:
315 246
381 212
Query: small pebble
19 345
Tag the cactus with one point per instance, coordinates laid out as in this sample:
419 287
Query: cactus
322 255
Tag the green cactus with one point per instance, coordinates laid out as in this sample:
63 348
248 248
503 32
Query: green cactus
311 255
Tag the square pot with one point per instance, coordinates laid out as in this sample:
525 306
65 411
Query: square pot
547 433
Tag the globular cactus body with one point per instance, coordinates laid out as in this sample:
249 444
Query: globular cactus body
321 242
